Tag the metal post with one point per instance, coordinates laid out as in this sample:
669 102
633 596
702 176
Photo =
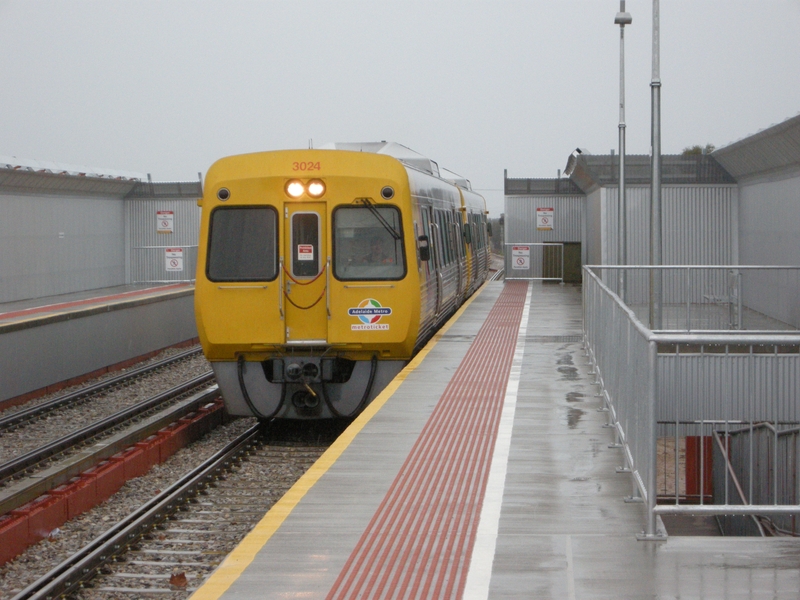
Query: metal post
650 530
623 18
655 182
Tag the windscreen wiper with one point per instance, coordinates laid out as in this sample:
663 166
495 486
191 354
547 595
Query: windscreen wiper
386 225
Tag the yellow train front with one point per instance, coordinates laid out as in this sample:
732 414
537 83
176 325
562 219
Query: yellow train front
320 272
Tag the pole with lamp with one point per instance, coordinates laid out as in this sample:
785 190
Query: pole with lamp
655 179
623 18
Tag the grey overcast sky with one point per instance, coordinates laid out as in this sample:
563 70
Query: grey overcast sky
167 87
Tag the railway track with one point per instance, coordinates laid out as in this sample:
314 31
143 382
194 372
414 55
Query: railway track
42 472
28 415
172 542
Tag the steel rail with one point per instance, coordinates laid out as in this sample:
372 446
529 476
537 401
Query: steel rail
18 465
25 489
68 576
83 394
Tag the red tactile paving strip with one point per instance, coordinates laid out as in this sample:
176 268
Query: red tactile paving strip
98 300
419 542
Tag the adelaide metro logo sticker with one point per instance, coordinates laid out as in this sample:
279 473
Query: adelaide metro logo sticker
369 312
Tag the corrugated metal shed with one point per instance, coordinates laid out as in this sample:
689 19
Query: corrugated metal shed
64 230
771 150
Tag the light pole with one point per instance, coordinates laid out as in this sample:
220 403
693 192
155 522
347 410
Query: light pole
655 179
623 18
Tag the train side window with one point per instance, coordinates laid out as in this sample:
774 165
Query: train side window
459 232
441 251
448 234
243 244
364 248
447 252
473 232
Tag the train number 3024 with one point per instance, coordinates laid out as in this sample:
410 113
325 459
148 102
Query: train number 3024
305 166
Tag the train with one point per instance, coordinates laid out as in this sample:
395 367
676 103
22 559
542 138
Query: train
321 272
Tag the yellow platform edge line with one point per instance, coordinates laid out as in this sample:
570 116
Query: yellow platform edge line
241 557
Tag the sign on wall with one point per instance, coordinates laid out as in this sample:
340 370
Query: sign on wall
174 257
544 219
164 221
521 257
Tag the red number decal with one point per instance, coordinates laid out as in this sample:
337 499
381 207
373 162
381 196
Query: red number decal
306 166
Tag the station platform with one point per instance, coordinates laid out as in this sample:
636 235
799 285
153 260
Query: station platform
53 341
484 471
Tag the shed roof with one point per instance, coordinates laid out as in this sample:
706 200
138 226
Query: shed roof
770 150
402 153
41 177
591 171
541 187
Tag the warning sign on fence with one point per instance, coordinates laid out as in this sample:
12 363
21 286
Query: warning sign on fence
521 257
164 221
174 258
544 219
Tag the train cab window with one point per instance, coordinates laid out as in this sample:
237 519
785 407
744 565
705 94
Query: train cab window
243 245
367 243
305 244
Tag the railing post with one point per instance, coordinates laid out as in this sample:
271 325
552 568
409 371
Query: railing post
651 441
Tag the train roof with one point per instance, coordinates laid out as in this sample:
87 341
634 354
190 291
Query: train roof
405 155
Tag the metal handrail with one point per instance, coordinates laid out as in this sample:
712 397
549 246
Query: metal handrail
280 287
639 442
735 480
328 288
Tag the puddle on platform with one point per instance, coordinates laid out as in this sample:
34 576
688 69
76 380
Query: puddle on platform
569 373
566 359
575 397
573 416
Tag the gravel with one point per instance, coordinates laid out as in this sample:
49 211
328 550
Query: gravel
59 422
40 558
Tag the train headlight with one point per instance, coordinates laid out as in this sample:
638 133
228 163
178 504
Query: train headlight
316 188
295 188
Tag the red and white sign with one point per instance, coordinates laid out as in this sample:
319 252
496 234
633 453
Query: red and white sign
164 221
544 219
174 257
521 257
305 252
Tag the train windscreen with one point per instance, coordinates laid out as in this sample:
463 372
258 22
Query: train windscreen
243 244
368 243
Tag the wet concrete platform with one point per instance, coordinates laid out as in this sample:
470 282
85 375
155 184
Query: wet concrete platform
553 522
36 311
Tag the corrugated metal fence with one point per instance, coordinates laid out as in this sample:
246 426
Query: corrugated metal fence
162 237
699 224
